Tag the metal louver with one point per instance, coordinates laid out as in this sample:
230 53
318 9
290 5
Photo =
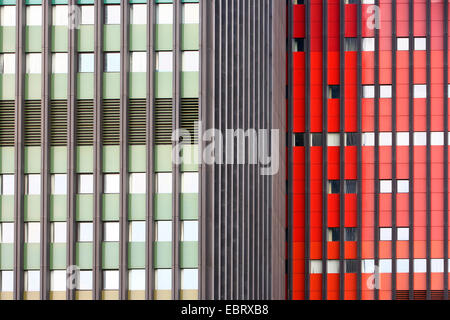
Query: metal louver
163 121
33 121
137 121
111 122
7 123
189 117
85 122
58 123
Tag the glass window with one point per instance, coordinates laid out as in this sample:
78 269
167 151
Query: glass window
351 234
403 234
164 182
32 232
86 62
85 280
420 43
191 13
420 138
386 91
420 91
85 232
368 44
386 186
8 63
189 231
437 265
163 279
351 186
333 266
350 44
298 45
189 182
190 61
137 231
33 184
85 183
437 138
334 234
112 183
402 186
368 1
58 232
60 63
164 13
402 265
420 265
87 14
8 184
34 15
368 266
138 183
60 15
189 279
385 265
334 140
138 61
58 280
351 266
402 44
334 186
385 234
299 139
111 232
402 138
385 138
316 139
32 280
138 14
7 16
7 284
163 231
112 14
7 232
368 91
33 63
59 184
315 266
112 62
164 62
136 280
368 139
334 92
111 280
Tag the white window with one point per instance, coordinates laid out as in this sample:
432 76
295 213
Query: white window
191 13
85 232
137 231
32 232
386 91
7 284
385 234
138 183
60 15
437 138
368 91
34 15
138 61
112 62
164 182
58 232
112 14
111 232
334 140
32 280
163 231
164 13
7 232
111 280
333 266
112 183
420 91
85 280
368 266
189 182
402 138
437 265
402 44
85 183
402 234
58 280
189 231
33 184
190 61
386 186
385 138
402 265
87 15
7 16
86 62
8 184
368 44
420 43
163 279
8 63
385 265
420 265
136 280
33 63
402 186
189 279
138 14
368 1
60 63
315 266
368 139
420 138
164 61
59 183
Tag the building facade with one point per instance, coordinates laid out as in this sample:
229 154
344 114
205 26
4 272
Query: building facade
367 149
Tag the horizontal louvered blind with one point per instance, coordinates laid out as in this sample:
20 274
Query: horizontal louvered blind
163 121
7 131
111 122
85 122
137 121
189 117
58 123
33 122
420 294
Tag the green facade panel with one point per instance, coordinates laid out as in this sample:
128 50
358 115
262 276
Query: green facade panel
85 159
85 207
111 207
110 255
163 84
58 207
190 36
7 208
162 255
32 256
111 37
32 208
60 38
32 159
58 159
85 85
162 154
189 84
7 39
59 86
57 256
137 158
84 255
111 159
136 255
6 256
33 86
136 207
6 160
138 85
111 85
86 38
188 255
163 37
189 206
138 37
190 156
163 206
33 39
7 86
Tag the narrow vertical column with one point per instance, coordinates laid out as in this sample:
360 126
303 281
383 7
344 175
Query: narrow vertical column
445 149
45 152
19 152
411 150
359 151
428 151
376 72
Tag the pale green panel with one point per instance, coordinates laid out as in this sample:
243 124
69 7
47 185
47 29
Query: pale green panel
6 256
32 159
163 206
137 158
164 37
136 255
59 39
33 39
33 86
111 85
86 38
138 85
111 37
111 207
162 255
190 158
189 206
59 86
32 256
190 36
163 158
136 207
188 255
138 37
85 85
57 256
85 159
84 257
58 207
32 208
7 160
110 255
7 86
85 207
7 208
7 39
189 85
58 159
163 85
111 159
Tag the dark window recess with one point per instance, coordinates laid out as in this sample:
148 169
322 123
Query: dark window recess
85 122
334 92
351 234
351 186
316 140
189 118
351 266
334 186
351 1
298 1
351 138
33 119
58 123
299 139
7 128
298 45
163 121
137 121
334 234
111 122
350 44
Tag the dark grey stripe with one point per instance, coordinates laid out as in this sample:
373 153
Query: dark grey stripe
359 151
445 150
428 173
377 150
411 152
